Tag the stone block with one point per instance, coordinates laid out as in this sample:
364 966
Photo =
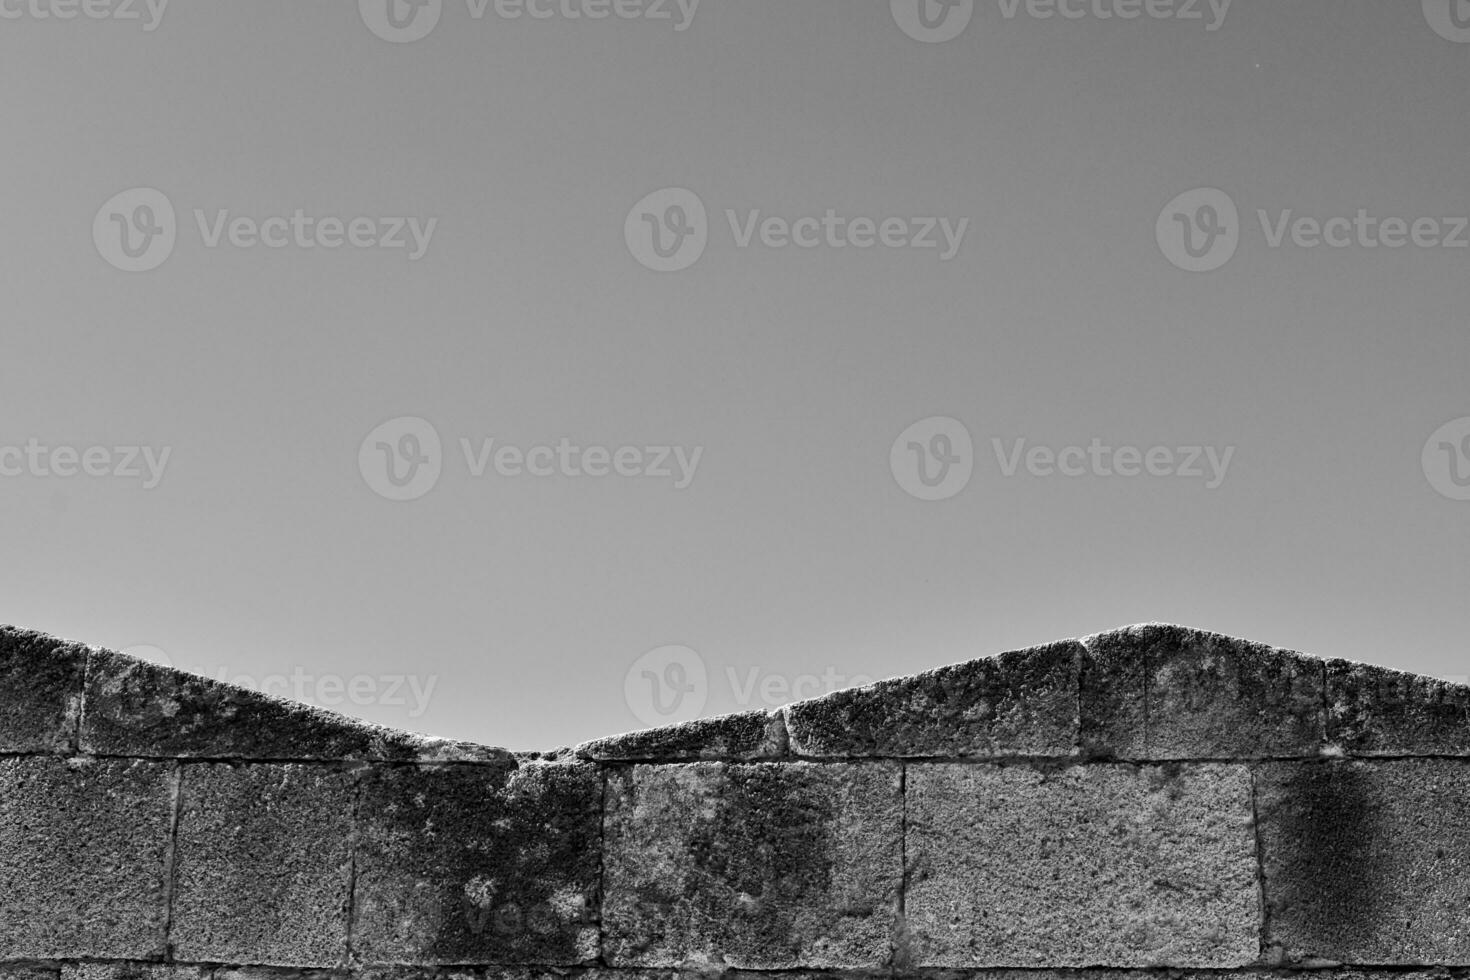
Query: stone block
749 735
1366 862
1094 865
757 866
1160 692
1018 703
264 864
83 858
40 691
139 708
1377 711
478 864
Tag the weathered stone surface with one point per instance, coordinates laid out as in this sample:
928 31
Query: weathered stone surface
1167 692
749 735
264 864
40 691
83 848
1367 862
142 709
134 971
279 973
29 971
478 864
1109 865
1018 703
1375 710
752 865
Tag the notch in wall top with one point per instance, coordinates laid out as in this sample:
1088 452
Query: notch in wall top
59 696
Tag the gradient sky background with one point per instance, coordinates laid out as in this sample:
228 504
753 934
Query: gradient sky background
795 551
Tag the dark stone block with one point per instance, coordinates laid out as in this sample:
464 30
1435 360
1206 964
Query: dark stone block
757 866
478 864
83 858
750 735
1168 692
264 864
40 691
1375 710
1366 862
141 709
1018 703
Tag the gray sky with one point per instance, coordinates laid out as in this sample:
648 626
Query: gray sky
793 550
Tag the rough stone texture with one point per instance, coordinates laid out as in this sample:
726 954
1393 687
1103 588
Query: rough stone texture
478 864
1168 692
40 691
83 846
133 971
1367 862
1018 703
29 971
758 865
1110 865
138 708
264 864
750 735
1375 710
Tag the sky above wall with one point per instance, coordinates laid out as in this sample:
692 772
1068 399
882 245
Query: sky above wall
526 379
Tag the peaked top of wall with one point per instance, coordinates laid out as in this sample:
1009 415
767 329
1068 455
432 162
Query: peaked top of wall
1148 693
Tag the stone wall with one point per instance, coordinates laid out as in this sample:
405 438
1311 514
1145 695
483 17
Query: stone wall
1150 798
